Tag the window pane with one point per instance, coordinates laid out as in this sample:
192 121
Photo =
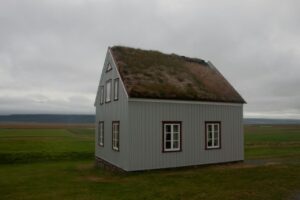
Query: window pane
216 143
176 128
168 145
175 136
209 143
168 136
175 145
209 135
209 127
216 135
168 128
216 127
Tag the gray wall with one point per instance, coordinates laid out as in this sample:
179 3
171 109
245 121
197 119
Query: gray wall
112 111
145 138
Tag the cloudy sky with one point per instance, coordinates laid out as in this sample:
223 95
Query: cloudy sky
52 51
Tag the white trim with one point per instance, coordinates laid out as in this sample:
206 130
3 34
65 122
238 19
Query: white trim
213 146
116 136
184 102
172 140
116 89
101 133
108 91
108 67
102 95
111 55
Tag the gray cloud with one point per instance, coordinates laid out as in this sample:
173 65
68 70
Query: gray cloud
52 52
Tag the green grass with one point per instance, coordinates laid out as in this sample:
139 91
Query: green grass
276 177
272 141
35 145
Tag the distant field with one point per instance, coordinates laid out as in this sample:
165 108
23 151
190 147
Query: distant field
277 141
56 162
27 145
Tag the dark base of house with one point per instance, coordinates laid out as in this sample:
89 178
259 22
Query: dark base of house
99 162
111 167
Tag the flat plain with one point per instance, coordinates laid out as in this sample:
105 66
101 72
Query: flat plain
57 162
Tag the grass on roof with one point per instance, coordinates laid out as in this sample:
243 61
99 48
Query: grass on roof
152 74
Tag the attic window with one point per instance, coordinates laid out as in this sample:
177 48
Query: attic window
116 89
101 94
108 67
108 91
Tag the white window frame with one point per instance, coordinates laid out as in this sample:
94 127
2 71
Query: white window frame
101 133
213 134
108 91
116 89
101 94
172 140
108 67
116 135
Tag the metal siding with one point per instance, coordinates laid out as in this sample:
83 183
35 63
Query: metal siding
112 111
145 149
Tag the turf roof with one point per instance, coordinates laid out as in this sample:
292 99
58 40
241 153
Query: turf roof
155 75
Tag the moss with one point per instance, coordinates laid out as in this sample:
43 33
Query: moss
152 74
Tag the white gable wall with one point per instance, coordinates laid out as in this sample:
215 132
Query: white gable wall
112 111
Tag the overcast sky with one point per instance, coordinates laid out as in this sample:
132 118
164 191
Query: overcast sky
52 52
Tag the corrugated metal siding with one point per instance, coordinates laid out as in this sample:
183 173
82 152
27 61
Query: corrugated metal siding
145 142
112 111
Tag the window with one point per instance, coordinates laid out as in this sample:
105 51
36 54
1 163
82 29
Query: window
108 91
101 94
116 135
116 89
171 136
101 134
212 135
108 67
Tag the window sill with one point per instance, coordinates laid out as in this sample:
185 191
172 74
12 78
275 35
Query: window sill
171 151
114 149
212 148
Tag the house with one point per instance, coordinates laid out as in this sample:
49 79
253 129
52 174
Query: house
156 110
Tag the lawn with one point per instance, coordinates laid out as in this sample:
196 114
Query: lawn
272 142
34 145
57 163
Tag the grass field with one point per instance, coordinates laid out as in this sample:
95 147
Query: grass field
57 163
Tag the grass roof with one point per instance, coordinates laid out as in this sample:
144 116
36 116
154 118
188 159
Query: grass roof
155 75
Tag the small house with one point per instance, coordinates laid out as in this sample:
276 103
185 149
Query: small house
157 110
